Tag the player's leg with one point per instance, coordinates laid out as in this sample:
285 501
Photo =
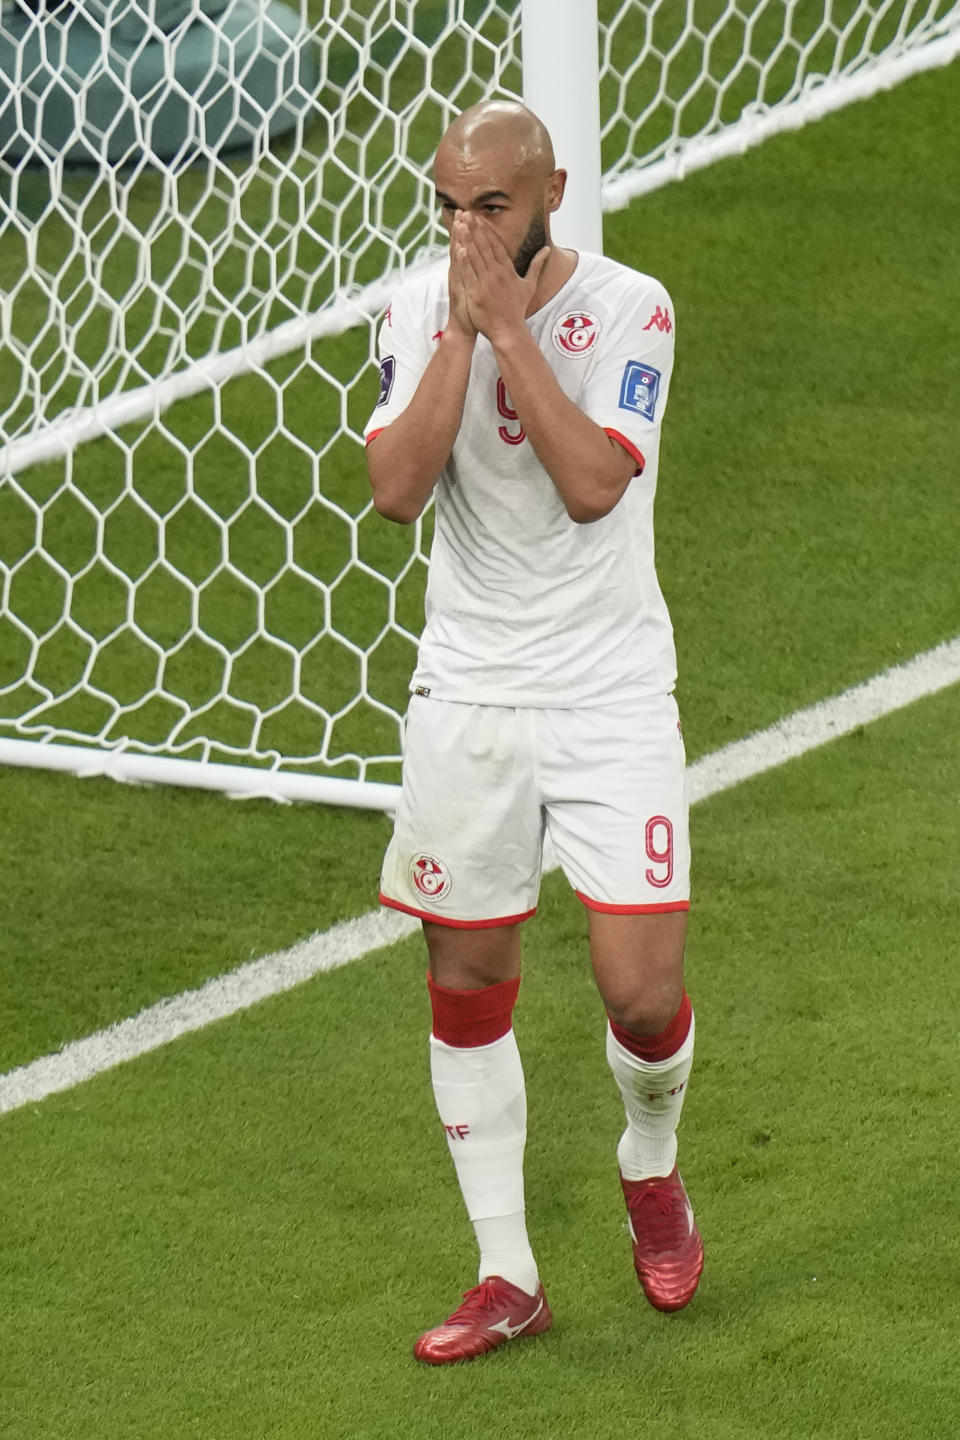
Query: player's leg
638 963
472 959
617 814
465 857
479 1089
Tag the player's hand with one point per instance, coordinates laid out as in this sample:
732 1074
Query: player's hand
497 298
459 318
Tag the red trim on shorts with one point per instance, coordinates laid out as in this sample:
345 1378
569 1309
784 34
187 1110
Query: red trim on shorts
605 909
467 1018
455 924
373 434
656 1048
628 445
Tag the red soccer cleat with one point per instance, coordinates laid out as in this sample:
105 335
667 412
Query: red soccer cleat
491 1313
667 1248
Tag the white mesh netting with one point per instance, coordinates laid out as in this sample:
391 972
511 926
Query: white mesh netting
190 562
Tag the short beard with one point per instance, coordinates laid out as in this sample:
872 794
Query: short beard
533 243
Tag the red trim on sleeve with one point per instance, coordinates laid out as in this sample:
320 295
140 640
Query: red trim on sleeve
628 445
455 924
373 434
605 909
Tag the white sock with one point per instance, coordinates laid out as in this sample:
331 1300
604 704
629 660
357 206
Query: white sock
482 1103
653 1092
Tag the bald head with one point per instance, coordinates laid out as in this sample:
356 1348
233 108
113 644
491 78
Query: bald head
496 162
503 125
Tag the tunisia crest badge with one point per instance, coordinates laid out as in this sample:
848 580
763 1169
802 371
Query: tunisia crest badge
576 333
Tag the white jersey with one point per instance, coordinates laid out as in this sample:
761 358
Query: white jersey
524 606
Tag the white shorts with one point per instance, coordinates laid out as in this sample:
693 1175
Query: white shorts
484 784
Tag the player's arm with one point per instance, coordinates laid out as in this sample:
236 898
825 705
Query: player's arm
589 469
406 457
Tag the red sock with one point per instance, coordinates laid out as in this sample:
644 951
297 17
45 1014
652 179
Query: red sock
466 1018
654 1048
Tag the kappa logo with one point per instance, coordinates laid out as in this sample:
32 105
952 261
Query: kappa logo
430 877
576 333
660 319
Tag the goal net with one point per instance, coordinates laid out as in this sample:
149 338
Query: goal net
191 275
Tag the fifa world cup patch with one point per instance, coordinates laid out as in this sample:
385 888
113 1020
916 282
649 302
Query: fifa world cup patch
388 370
430 878
576 333
639 389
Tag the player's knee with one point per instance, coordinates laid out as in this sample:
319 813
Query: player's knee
649 1012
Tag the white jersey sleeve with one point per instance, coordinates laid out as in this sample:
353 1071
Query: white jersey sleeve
626 390
404 349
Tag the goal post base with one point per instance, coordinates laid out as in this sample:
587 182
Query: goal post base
239 782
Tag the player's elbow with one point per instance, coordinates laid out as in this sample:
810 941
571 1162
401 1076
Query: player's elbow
585 514
585 509
391 498
586 504
395 506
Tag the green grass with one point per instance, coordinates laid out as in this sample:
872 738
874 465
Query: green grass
98 879
807 524
241 1234
812 435
807 535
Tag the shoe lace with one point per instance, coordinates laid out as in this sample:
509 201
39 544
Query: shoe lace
476 1302
659 1218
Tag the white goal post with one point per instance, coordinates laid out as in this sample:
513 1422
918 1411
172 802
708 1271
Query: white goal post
195 588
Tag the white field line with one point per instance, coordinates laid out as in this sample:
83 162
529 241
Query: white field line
226 994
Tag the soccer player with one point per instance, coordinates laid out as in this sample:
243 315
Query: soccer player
525 388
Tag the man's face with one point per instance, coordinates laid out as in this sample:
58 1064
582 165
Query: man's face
511 198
